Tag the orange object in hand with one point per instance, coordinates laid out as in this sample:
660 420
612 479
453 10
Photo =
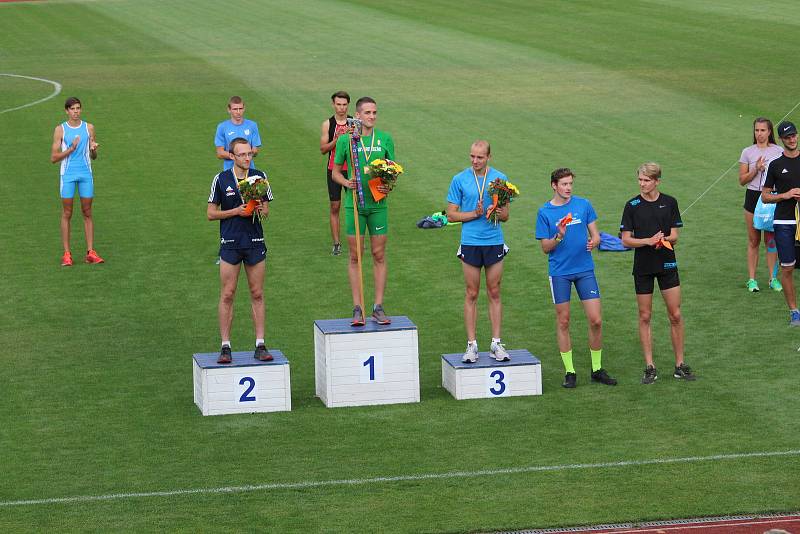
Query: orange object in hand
565 220
250 207
492 207
666 244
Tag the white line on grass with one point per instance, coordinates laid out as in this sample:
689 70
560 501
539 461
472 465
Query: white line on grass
721 176
56 91
400 478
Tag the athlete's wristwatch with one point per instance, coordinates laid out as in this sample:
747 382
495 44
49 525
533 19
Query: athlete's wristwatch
557 238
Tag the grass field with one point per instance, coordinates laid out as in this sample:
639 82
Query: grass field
96 388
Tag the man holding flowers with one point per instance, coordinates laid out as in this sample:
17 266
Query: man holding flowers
469 201
371 145
241 241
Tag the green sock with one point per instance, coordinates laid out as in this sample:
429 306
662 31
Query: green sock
567 358
596 359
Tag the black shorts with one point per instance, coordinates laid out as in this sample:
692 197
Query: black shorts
482 255
666 280
251 256
751 199
334 187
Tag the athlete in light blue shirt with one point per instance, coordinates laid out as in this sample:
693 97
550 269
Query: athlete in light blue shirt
237 127
567 230
75 146
482 245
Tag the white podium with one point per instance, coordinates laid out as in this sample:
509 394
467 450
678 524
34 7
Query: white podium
488 378
245 385
366 365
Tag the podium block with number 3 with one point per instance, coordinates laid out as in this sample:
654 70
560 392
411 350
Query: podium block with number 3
488 378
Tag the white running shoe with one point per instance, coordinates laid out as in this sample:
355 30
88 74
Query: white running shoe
499 352
471 354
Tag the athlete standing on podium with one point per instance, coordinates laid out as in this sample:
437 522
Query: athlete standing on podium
373 144
241 241
482 245
75 146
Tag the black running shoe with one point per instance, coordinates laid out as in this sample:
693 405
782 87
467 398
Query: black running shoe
650 375
225 355
358 317
684 372
262 354
602 376
570 380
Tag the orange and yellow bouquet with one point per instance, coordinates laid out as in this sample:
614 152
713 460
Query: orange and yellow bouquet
503 192
384 172
253 190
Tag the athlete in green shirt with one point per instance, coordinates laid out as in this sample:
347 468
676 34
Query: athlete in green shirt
373 144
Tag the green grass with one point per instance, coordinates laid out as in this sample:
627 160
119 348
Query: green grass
96 387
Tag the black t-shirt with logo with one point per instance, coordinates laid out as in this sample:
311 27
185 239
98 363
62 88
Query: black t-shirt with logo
645 219
783 174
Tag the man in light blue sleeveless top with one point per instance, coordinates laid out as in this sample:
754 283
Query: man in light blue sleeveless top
75 146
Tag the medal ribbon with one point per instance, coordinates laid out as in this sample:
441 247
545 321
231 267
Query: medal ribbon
481 187
354 140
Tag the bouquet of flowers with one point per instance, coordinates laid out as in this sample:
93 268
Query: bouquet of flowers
253 189
384 172
503 192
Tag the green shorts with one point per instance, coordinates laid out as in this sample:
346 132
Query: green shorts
376 219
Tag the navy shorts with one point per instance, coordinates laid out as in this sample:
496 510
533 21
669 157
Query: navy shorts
645 283
585 285
784 240
251 256
482 255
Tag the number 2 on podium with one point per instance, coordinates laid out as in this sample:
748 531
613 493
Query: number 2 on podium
246 397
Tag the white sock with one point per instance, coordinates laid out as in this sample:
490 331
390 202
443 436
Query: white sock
472 342
259 341
495 340
226 344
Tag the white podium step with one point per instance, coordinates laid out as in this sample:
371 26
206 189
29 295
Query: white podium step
488 378
245 385
366 365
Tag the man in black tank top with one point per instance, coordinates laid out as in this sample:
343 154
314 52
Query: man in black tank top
332 128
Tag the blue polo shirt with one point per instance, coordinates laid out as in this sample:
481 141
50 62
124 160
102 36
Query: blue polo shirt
464 193
227 132
236 232
570 256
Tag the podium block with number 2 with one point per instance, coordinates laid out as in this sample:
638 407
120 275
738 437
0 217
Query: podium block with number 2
371 364
245 385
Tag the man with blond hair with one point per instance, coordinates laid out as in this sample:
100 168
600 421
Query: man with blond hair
650 223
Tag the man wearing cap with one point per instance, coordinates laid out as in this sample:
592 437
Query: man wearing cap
783 177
